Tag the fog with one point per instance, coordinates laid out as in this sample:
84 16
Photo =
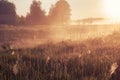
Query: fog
29 36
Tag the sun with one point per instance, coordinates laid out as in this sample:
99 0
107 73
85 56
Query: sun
112 9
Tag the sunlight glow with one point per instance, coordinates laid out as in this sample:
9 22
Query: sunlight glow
111 8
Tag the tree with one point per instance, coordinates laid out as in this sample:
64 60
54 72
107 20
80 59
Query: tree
21 20
60 12
7 12
36 15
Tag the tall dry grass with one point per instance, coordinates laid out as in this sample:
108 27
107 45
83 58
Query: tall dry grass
91 59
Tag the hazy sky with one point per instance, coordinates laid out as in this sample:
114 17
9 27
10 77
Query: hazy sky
80 8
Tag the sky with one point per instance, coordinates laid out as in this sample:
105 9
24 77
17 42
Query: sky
80 8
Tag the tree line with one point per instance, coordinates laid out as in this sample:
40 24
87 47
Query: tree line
59 13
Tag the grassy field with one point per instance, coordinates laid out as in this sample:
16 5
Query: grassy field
69 53
29 36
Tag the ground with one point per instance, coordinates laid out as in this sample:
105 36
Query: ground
86 52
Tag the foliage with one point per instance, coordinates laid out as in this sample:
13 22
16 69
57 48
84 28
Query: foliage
36 15
60 12
7 13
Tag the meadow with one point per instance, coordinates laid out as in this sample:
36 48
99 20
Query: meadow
86 52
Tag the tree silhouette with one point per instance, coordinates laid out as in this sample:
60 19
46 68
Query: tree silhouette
21 20
7 12
36 15
60 12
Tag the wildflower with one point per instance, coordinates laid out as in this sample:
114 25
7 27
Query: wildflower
48 58
113 68
13 52
15 69
89 51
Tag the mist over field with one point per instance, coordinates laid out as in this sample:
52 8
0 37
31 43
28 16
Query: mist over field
81 52
29 36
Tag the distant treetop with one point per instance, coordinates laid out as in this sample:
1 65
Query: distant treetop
60 12
7 12
36 15
7 7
